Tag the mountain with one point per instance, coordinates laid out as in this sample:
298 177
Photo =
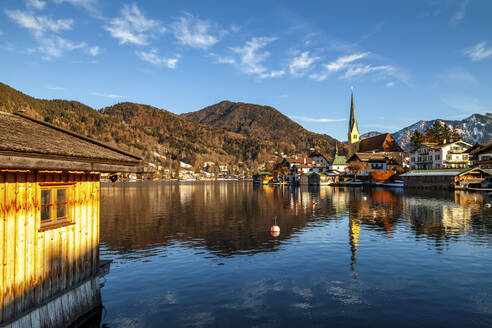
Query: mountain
263 123
156 134
369 134
475 128
160 136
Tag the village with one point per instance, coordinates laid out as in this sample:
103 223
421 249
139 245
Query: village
51 202
380 161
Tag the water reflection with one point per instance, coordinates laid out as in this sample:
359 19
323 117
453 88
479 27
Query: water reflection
202 254
232 218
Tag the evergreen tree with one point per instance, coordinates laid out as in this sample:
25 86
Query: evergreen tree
417 138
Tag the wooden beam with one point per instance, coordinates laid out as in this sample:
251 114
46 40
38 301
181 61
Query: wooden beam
39 163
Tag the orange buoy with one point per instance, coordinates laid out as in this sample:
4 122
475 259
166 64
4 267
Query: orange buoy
275 229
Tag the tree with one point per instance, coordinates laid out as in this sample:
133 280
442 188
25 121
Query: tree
417 138
455 135
356 167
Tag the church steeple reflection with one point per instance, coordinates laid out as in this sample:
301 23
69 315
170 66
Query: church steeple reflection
354 232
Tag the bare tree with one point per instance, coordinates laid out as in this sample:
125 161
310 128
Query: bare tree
357 167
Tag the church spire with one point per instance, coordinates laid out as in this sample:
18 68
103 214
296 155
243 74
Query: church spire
336 149
353 130
353 120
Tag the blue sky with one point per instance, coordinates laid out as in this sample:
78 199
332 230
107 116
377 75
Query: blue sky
406 60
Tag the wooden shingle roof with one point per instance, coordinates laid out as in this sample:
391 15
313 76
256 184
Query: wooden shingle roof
23 137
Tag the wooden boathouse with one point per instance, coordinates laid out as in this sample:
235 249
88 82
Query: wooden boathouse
446 178
49 221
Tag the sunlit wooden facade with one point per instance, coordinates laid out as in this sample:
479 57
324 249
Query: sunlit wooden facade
49 222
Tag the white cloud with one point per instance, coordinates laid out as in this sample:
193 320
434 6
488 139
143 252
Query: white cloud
356 71
194 32
36 4
479 51
342 62
318 76
349 70
55 88
56 46
250 59
89 5
134 27
460 13
390 84
272 74
38 25
300 64
316 119
46 32
94 51
106 95
153 58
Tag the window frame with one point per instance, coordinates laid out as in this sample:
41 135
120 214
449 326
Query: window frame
55 222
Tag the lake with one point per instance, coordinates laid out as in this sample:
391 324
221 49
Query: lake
201 255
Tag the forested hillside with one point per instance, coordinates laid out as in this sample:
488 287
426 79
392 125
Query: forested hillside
263 123
165 138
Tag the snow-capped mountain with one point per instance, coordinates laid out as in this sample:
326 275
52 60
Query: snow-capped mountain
475 128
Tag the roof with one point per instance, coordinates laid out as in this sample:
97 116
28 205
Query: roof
23 137
300 166
368 157
294 160
480 148
265 173
316 154
382 143
443 172
437 146
434 172
339 160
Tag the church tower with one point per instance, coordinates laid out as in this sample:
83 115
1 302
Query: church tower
353 130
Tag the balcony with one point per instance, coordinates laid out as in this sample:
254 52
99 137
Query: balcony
456 151
457 161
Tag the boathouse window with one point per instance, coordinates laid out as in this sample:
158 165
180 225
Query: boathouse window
54 202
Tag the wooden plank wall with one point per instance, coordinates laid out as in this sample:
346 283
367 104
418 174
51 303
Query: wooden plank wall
37 265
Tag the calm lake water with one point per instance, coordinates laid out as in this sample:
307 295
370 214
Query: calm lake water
201 255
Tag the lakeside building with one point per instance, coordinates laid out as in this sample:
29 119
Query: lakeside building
481 155
322 178
339 163
440 156
49 224
373 161
447 178
320 158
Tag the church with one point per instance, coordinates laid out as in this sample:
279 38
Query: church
382 145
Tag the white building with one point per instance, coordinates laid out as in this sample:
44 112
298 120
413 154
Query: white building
319 158
439 156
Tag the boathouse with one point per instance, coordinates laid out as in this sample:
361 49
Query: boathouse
322 178
446 178
49 221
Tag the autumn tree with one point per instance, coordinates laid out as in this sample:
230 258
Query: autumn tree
356 167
